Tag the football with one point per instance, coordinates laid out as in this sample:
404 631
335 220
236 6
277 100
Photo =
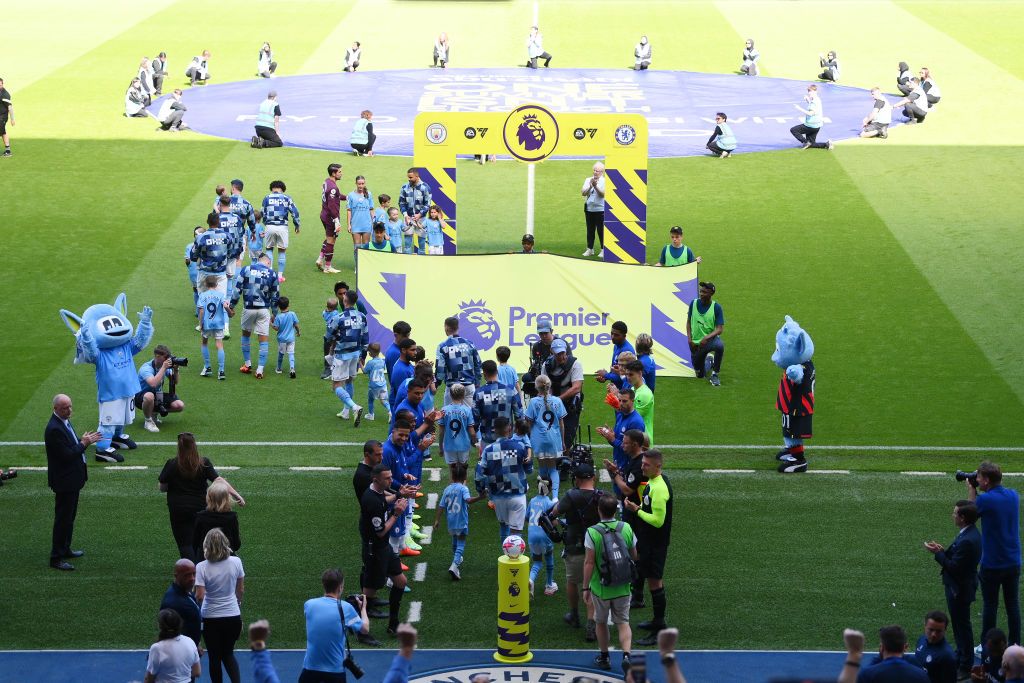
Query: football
513 546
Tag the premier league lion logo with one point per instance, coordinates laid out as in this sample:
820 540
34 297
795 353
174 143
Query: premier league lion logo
477 324
531 133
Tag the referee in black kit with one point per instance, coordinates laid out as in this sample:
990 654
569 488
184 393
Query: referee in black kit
380 509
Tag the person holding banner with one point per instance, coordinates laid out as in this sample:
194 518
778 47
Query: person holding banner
566 375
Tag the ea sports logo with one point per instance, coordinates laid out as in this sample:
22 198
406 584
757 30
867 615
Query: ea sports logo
477 324
531 133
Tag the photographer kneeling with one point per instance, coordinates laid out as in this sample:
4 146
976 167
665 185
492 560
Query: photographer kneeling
579 506
152 398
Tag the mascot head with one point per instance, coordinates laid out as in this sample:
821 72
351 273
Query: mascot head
793 345
109 324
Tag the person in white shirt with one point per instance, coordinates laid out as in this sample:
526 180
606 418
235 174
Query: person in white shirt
199 69
929 87
146 77
159 67
265 64
220 585
876 123
171 112
642 54
915 105
352 56
593 208
535 49
830 66
135 100
442 50
173 658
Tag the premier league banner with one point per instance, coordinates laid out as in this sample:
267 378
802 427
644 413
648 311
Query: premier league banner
499 300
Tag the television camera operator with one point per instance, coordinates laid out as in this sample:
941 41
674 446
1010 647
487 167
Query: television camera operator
539 352
566 375
154 400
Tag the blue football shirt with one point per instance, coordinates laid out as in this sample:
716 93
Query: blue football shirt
456 421
211 307
455 501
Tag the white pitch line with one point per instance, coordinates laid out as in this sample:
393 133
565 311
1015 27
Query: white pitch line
420 572
428 534
728 471
30 469
415 608
315 469
812 471
662 447
604 476
925 474
227 468
435 473
126 467
431 501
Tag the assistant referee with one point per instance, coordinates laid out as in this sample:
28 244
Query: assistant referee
653 529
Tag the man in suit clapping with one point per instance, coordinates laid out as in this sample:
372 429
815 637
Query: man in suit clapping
66 474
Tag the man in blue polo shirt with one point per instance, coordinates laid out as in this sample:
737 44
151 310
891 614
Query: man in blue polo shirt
325 631
933 651
892 668
999 511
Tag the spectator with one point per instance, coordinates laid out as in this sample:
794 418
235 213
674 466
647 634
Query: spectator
458 362
960 578
352 56
891 665
830 67
593 208
722 142
179 597
184 479
400 665
876 123
1013 664
265 64
654 533
642 54
806 133
933 652
903 78
172 110
566 375
268 122
263 670
991 668
198 70
154 401
704 325
442 50
66 474
608 575
999 511
217 515
363 137
173 658
135 100
159 66
579 507
535 49
750 59
328 618
220 585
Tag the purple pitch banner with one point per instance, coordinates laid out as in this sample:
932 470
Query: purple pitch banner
500 299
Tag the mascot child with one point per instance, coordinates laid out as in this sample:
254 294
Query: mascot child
795 400
103 337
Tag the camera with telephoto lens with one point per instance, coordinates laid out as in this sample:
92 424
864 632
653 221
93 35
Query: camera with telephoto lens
967 476
578 454
356 600
179 362
353 667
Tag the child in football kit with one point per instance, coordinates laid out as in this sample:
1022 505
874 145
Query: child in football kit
213 311
377 385
456 427
507 374
287 325
433 226
330 311
193 268
399 234
541 546
455 501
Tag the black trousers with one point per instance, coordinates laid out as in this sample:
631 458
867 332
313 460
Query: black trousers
992 580
368 147
959 607
715 346
269 136
595 225
807 135
713 146
183 525
570 423
220 635
309 676
546 56
65 510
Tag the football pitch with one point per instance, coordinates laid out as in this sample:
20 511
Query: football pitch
903 258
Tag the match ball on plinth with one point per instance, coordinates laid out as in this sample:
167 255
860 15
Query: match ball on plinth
513 546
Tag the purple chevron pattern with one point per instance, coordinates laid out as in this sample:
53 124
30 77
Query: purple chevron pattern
443 190
669 337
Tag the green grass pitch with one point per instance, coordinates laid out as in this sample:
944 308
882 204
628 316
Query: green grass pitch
903 258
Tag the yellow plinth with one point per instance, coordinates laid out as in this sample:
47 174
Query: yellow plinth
513 610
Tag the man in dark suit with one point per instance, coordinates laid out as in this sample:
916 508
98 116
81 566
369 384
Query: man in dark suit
960 578
66 474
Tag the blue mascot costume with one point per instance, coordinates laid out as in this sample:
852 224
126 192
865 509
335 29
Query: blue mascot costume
795 400
103 337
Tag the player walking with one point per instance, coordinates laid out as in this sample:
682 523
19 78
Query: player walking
330 216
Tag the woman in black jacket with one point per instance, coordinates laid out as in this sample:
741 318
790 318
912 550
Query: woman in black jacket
217 515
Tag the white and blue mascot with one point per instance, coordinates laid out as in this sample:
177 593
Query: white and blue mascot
793 351
103 337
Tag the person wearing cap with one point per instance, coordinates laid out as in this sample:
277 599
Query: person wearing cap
566 375
267 123
676 253
539 352
704 329
579 508
528 244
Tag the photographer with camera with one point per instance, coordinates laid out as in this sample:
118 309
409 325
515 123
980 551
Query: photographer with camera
579 506
999 512
152 397
539 352
566 375
327 619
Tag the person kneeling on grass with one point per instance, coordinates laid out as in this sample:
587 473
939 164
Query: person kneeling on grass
268 120
876 123
171 113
